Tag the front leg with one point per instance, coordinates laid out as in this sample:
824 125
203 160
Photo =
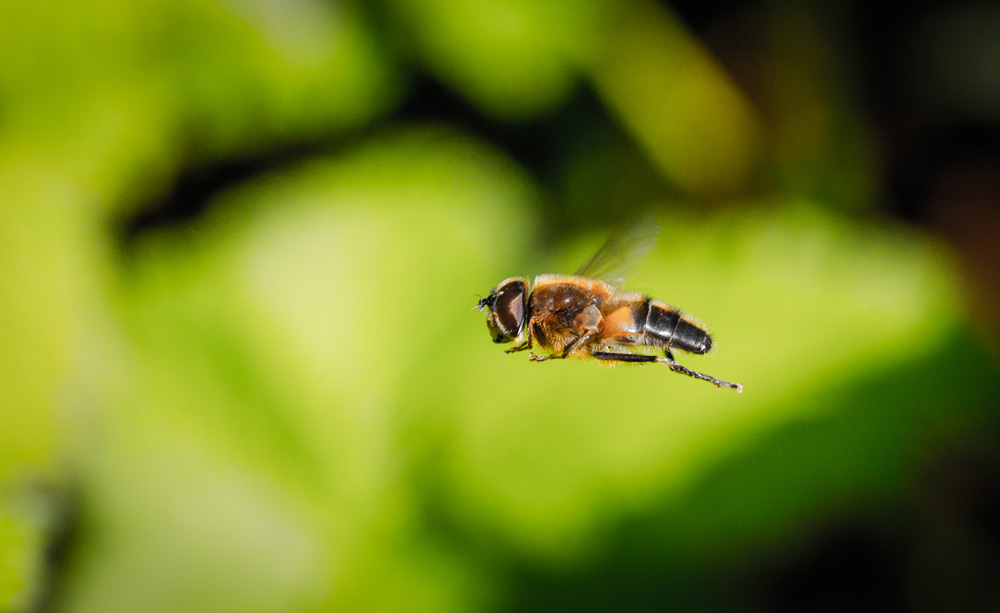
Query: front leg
523 346
527 344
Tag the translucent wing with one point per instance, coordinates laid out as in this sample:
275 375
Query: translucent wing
623 251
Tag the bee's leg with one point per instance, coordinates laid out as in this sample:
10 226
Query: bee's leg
570 348
623 357
576 344
674 366
525 345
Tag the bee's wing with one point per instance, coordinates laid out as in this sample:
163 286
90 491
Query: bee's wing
623 251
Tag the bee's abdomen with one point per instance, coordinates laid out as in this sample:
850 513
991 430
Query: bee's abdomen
666 327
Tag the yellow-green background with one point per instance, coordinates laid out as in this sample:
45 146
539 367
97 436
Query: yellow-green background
278 397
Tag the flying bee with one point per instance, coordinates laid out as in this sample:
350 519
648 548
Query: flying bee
586 315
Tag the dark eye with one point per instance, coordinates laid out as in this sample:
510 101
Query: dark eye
510 309
507 311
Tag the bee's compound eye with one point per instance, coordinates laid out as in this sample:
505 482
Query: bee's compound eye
508 311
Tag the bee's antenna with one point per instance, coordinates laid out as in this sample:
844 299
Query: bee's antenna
485 303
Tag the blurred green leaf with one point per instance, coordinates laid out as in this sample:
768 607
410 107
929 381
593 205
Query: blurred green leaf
113 96
676 101
512 58
19 549
269 349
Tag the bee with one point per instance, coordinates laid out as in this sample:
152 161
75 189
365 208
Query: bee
585 315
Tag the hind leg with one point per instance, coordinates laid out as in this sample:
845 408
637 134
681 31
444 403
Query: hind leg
674 366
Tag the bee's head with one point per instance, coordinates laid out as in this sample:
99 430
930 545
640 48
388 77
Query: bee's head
508 307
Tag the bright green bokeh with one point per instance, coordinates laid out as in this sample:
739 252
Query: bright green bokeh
297 392
289 402
512 58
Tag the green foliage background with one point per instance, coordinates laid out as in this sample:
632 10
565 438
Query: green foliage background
287 403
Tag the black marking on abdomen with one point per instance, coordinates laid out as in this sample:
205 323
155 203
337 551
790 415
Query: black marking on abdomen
640 315
660 324
690 337
666 328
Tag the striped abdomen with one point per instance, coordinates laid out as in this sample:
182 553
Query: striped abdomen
667 327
